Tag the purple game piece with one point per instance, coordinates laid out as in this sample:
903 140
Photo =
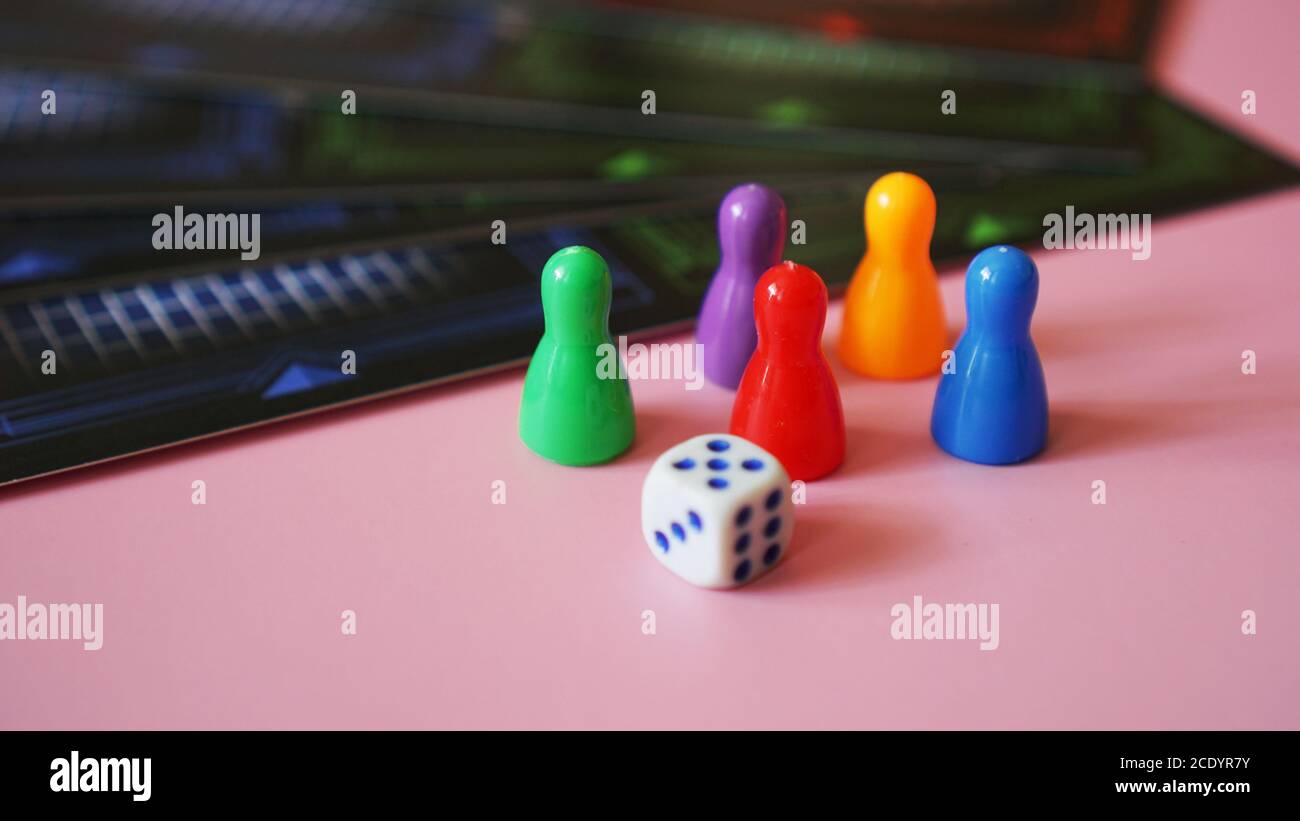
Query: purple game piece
751 235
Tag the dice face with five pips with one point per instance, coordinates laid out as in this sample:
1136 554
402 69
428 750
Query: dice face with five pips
716 510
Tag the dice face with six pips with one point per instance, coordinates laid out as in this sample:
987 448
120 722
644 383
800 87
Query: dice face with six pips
716 510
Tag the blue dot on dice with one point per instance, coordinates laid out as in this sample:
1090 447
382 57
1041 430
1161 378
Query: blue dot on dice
771 554
742 517
695 520
752 464
661 540
718 483
742 544
679 532
719 445
773 525
684 464
773 499
718 464
742 571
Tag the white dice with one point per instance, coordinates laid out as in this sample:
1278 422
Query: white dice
716 510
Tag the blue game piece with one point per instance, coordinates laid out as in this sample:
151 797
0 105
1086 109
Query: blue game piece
993 408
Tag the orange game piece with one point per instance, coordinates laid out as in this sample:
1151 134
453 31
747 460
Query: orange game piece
894 326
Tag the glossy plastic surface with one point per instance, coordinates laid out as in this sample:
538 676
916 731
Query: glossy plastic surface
993 408
894 325
751 237
576 407
788 402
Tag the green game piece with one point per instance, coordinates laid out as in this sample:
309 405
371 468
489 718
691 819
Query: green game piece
576 410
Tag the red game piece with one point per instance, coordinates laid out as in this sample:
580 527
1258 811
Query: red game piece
788 402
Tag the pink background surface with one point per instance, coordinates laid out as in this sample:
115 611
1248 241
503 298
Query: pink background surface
528 614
